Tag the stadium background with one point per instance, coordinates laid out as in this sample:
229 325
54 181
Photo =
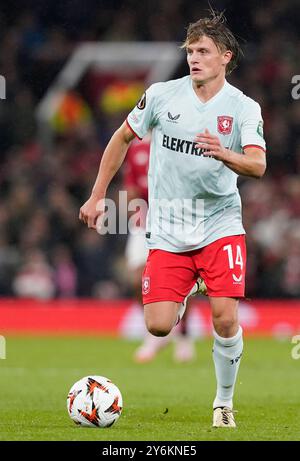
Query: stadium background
65 302
51 263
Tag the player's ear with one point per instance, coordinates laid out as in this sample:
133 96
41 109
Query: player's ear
227 56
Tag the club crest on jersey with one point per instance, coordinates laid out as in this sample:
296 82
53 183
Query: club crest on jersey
146 285
225 123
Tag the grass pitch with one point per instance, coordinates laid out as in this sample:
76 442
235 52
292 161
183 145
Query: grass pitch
162 400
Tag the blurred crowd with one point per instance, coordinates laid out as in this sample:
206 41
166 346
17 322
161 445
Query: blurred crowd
45 251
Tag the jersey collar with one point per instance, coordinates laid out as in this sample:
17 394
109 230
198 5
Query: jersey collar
202 105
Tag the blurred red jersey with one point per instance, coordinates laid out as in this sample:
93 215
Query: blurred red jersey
136 167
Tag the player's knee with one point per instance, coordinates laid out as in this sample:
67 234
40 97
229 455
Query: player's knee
225 326
158 328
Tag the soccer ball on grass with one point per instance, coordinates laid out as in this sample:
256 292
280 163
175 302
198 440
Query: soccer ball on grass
94 401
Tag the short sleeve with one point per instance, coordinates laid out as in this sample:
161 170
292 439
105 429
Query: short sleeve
141 118
251 123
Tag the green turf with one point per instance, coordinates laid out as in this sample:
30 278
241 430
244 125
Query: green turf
162 400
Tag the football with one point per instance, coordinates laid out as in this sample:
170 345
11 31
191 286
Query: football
94 401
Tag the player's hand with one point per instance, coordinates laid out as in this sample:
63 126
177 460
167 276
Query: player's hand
212 144
91 210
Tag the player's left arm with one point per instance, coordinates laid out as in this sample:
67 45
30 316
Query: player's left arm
251 163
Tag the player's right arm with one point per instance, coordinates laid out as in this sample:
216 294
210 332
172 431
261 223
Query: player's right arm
137 124
111 161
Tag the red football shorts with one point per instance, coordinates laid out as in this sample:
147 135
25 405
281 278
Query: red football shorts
222 265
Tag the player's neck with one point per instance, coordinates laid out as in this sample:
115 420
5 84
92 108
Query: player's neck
207 90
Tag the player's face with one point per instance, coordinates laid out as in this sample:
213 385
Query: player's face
205 60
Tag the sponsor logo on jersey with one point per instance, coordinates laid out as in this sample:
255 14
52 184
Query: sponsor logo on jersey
225 123
146 285
183 146
142 102
173 118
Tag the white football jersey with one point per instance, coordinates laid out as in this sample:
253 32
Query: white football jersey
193 200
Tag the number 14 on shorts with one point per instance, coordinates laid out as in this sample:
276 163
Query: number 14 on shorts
235 258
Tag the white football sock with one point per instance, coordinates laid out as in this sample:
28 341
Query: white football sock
227 356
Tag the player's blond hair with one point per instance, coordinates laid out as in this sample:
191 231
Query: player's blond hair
215 28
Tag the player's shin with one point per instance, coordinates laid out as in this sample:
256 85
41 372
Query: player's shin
227 354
